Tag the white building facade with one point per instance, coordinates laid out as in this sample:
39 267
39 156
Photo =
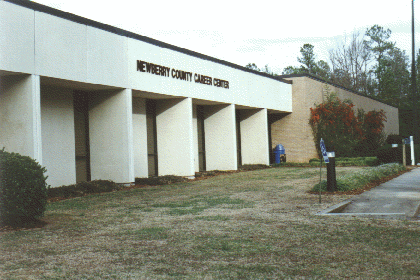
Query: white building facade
90 101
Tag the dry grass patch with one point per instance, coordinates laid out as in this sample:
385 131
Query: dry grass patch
248 225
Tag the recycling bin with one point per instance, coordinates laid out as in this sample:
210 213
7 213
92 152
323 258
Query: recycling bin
279 154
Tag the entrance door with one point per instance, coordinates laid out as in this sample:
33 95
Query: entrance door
151 138
81 132
238 138
201 139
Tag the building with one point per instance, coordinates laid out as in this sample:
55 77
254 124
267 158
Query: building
91 101
293 130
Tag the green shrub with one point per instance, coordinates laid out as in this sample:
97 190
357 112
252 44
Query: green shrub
361 178
416 153
394 139
347 161
23 189
83 188
372 161
292 164
387 154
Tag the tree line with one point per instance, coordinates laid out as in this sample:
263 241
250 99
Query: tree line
370 64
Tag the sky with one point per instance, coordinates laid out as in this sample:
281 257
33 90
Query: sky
261 32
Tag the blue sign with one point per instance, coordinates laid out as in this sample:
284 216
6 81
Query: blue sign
407 141
324 151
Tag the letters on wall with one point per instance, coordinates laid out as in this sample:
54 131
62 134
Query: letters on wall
143 66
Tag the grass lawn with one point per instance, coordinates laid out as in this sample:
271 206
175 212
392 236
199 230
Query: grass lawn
248 225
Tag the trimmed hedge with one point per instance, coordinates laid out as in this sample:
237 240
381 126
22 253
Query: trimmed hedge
23 189
349 161
387 154
394 139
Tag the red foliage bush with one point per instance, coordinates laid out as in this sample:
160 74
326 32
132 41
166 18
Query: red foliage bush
345 132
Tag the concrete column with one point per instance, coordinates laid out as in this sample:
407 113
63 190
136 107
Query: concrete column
111 136
140 138
220 137
20 115
175 140
58 139
254 136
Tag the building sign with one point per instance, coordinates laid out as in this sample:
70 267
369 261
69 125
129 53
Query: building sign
155 69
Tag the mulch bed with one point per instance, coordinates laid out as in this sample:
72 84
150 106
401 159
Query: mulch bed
171 179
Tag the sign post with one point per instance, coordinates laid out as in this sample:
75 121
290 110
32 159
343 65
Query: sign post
331 177
325 157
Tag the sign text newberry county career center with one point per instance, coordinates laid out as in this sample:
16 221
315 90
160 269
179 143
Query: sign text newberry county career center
164 71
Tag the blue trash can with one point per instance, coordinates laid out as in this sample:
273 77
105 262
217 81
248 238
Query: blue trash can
279 151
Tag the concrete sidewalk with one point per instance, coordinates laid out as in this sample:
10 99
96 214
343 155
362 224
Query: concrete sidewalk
397 198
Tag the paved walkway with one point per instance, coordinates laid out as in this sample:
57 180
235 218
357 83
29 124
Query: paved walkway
397 198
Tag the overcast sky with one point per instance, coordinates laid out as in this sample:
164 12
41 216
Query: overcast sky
263 32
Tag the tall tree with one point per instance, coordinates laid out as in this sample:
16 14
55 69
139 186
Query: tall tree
252 66
378 42
350 64
308 58
309 64
393 78
323 70
289 70
380 48
266 69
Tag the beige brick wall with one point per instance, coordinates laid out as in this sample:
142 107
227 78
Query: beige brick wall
293 130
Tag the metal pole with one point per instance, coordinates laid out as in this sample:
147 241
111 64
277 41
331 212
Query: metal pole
413 160
320 178
403 151
414 80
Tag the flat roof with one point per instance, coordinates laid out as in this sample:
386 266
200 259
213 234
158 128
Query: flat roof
118 31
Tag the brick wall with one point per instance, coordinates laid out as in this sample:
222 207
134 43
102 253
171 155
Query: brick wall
293 130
